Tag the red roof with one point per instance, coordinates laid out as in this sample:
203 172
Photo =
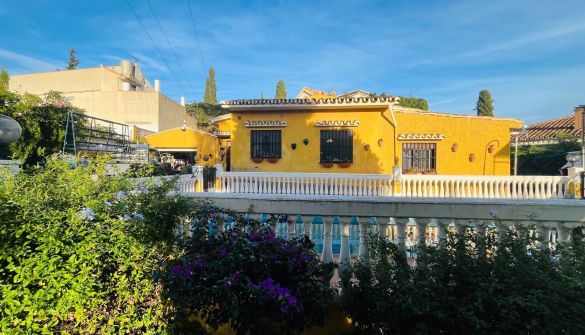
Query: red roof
550 130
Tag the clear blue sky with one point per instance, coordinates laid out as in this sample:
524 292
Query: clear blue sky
529 54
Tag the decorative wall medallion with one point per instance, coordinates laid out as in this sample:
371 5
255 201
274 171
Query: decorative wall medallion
420 137
337 123
264 123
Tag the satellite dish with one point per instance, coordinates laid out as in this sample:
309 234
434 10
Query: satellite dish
10 130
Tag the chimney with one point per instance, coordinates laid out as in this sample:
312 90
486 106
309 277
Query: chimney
183 101
579 110
157 85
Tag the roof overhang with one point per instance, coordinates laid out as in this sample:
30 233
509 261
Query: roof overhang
308 104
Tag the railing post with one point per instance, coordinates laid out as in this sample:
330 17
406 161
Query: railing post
442 228
291 228
401 231
564 233
421 226
364 227
327 254
543 229
344 253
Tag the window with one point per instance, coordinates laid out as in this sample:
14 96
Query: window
419 157
265 144
336 146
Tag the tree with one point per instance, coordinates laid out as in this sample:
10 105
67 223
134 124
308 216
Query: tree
73 61
546 159
4 78
280 90
210 96
485 104
418 103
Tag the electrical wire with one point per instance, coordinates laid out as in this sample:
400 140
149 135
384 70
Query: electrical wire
196 37
156 47
169 43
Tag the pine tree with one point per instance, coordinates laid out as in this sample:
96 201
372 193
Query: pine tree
280 90
485 104
210 96
73 61
4 78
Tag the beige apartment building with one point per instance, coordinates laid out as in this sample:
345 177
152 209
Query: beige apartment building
117 93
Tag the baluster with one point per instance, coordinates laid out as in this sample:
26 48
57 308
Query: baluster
327 254
291 228
442 228
544 230
344 252
401 231
381 229
364 226
461 227
563 232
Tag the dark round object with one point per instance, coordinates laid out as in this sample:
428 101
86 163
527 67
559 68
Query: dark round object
10 130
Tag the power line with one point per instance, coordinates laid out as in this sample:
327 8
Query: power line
196 36
169 43
156 47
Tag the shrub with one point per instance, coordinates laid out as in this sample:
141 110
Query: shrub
474 286
250 278
78 250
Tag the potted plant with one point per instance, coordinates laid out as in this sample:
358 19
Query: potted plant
272 159
257 159
472 158
327 165
344 164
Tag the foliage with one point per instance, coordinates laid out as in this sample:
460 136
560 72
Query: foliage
418 103
280 90
78 257
473 286
4 78
485 104
42 122
546 159
210 97
247 276
204 112
73 61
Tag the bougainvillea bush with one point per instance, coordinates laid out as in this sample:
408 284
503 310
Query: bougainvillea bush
473 286
78 250
246 276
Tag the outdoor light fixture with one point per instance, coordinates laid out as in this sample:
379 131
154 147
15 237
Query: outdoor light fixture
293 146
306 141
10 130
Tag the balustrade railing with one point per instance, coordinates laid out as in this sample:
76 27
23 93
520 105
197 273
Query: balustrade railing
417 186
339 225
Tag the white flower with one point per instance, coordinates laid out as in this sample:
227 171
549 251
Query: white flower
124 217
87 214
121 195
138 216
108 204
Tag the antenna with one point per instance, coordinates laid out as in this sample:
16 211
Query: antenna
136 59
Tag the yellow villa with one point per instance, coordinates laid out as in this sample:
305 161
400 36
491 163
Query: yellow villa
360 135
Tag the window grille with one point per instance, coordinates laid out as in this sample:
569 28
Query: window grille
419 157
336 146
265 144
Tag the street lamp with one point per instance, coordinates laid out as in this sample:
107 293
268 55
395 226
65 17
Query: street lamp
516 133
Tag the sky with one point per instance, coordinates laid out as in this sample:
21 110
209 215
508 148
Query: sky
529 54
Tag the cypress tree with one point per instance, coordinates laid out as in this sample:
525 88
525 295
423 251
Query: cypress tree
485 104
210 97
73 61
4 78
280 90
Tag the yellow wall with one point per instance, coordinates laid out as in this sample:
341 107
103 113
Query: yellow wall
177 138
472 134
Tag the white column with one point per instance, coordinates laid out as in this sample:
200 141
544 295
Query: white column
544 230
563 232
442 228
344 253
401 231
421 226
364 226
291 228
327 254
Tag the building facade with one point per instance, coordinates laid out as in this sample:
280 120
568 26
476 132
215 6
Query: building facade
117 93
362 135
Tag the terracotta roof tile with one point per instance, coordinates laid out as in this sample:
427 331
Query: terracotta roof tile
550 130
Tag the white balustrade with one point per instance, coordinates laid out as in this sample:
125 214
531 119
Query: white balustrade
379 185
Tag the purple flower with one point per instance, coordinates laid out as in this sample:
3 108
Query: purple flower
223 252
176 270
200 264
